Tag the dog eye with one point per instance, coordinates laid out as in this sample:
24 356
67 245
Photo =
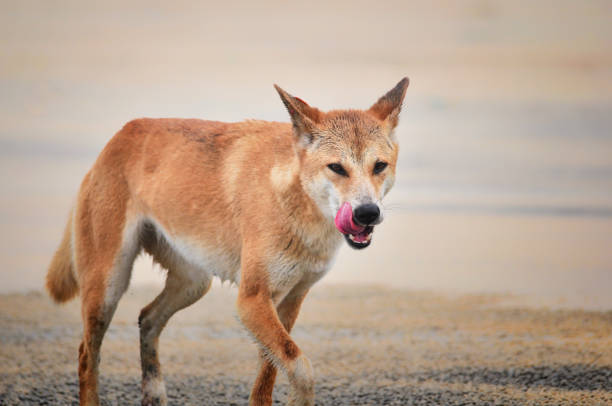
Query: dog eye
338 169
379 167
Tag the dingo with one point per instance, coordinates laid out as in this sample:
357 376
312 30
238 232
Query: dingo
262 204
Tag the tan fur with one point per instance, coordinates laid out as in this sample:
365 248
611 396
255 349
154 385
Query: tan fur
252 202
61 282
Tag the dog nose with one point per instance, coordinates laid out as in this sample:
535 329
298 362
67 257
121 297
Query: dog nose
366 214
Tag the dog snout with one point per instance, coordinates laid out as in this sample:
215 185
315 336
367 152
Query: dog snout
366 214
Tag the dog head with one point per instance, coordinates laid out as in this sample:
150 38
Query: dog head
348 160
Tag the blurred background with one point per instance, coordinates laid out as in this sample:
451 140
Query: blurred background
505 174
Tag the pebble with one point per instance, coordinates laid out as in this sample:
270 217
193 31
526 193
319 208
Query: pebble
63 390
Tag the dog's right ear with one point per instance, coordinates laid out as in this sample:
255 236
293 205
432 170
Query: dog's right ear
303 117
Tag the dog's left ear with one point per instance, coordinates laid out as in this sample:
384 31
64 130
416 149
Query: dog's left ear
388 107
303 117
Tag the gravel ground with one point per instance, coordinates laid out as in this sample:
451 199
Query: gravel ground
369 346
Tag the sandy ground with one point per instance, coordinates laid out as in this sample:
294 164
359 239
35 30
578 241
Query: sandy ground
368 345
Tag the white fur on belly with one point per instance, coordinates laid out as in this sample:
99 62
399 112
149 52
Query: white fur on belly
206 261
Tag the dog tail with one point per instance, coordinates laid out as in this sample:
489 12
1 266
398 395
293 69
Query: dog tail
61 280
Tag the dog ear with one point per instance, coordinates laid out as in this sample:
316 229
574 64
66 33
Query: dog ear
388 107
303 117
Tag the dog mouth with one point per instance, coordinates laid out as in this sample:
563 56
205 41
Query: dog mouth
360 240
356 235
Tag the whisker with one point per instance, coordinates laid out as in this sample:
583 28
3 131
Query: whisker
396 206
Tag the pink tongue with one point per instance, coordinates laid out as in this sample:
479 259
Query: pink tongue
344 222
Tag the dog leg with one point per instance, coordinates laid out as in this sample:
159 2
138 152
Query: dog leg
184 286
258 314
104 277
287 310
98 307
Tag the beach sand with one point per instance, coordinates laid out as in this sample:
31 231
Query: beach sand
369 346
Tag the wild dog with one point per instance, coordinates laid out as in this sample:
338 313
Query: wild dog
263 204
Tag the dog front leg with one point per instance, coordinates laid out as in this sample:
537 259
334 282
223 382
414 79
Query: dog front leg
287 311
259 316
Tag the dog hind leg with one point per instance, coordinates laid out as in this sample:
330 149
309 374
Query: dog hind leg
185 284
100 294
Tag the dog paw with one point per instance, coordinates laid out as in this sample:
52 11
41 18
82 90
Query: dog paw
154 393
149 401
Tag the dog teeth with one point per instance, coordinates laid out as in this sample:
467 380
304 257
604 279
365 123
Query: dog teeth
368 238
